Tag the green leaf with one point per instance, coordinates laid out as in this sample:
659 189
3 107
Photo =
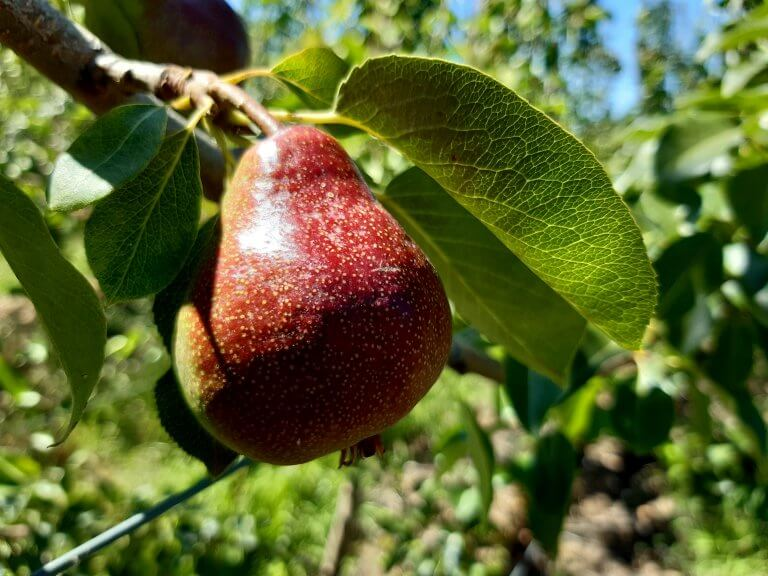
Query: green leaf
531 183
314 74
690 147
138 238
737 77
549 486
754 26
182 426
689 270
481 452
531 394
576 414
170 300
106 156
114 21
748 195
644 421
64 300
490 287
731 362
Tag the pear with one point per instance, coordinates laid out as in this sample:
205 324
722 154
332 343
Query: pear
315 323
204 34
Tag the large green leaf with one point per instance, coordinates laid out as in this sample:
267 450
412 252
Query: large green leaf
63 298
690 147
490 287
536 187
106 156
138 238
314 74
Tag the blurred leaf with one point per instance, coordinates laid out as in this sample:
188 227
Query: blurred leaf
314 74
138 238
576 412
690 266
536 326
65 302
731 364
536 187
689 147
732 358
169 300
737 77
549 487
531 394
182 426
106 156
11 381
754 26
481 452
748 195
642 421
751 416
114 22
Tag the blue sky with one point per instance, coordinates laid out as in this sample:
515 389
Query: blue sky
691 18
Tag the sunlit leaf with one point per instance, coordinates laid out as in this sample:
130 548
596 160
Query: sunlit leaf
138 238
531 183
490 287
314 74
64 300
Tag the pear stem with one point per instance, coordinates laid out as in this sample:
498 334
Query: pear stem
315 117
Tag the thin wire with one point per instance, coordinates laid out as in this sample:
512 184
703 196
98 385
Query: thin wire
87 549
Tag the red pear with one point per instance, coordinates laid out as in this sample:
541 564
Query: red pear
316 322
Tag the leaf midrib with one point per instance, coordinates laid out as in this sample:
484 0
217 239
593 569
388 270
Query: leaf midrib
142 228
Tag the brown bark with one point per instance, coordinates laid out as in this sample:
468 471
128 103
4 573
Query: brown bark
67 54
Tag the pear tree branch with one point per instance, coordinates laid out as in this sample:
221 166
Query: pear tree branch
81 64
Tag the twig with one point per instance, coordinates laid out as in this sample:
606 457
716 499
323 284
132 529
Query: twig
465 358
168 82
341 529
66 54
79 553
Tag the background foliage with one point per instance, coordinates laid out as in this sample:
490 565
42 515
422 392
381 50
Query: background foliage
667 447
